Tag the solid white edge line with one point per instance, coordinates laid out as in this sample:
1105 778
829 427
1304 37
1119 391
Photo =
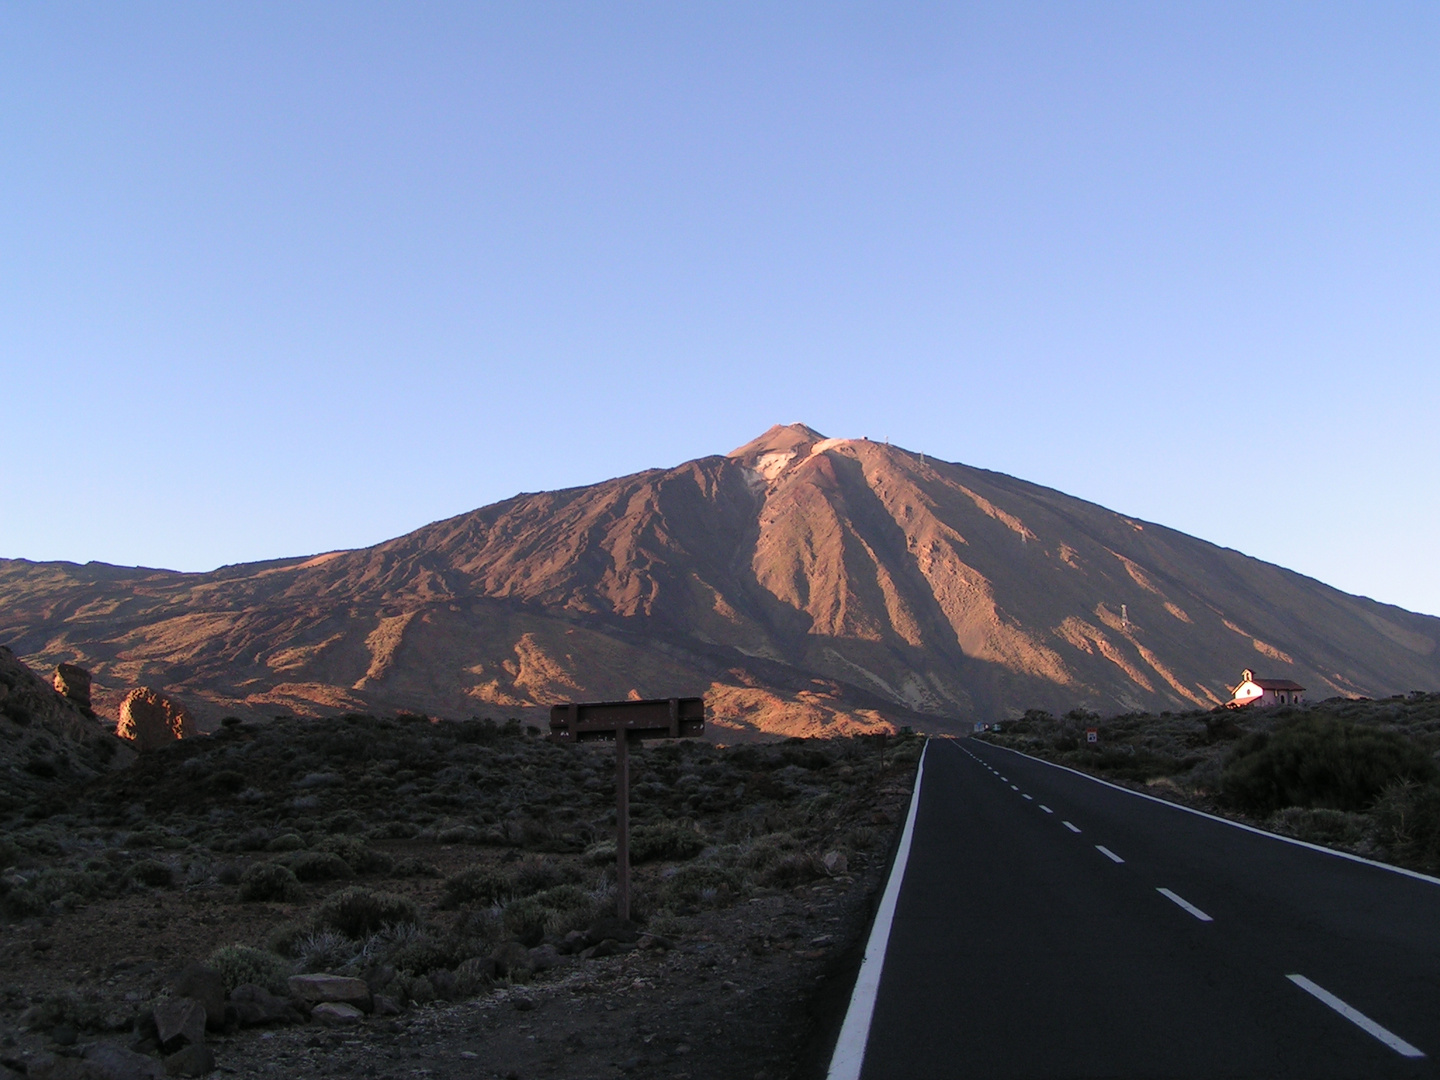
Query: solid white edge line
1226 821
1103 850
849 1053
1356 1017
1191 908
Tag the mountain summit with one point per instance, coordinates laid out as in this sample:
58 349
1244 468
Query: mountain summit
804 584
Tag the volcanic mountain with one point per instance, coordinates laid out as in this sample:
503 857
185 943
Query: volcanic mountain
803 584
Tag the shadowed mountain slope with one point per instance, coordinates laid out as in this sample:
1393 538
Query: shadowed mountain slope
804 584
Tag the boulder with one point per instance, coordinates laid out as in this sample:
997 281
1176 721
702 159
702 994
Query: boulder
254 1005
114 1062
316 989
336 1012
621 930
193 1060
835 863
150 720
207 987
180 1019
73 682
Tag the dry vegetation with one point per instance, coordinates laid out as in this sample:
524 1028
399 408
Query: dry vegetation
1358 775
452 866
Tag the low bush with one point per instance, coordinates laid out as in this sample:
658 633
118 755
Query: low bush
1320 825
151 872
1319 762
1408 815
269 881
357 911
665 840
319 866
477 885
361 858
700 884
240 964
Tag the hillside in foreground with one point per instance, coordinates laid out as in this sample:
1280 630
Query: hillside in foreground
805 585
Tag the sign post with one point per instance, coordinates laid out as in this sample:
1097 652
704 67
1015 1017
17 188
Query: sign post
624 722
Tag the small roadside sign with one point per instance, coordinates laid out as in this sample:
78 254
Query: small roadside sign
1092 735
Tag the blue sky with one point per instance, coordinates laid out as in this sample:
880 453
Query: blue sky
279 279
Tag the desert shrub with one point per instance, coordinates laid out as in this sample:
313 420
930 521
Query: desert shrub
534 874
796 868
392 830
151 872
601 852
460 834
666 840
1321 762
322 950
358 911
477 885
228 781
57 1009
319 866
285 842
1409 818
1319 825
699 883
9 853
422 953
525 920
22 903
284 940
361 858
60 884
413 867
269 881
240 964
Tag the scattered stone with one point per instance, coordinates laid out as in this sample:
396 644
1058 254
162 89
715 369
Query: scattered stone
522 1003
179 1018
835 863
206 986
116 1063
73 682
654 941
63 1035
574 942
608 947
150 720
315 989
193 1060
386 1006
336 1012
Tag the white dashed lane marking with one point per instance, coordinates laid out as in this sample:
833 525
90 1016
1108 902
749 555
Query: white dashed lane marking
1191 908
1046 808
1103 850
1072 828
1356 1017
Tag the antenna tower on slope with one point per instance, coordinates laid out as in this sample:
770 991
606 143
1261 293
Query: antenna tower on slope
1124 619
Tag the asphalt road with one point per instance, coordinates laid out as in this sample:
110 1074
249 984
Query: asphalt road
1032 939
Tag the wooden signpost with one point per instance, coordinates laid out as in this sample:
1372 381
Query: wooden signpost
624 722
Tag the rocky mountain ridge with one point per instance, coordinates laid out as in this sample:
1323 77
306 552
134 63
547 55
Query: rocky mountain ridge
804 584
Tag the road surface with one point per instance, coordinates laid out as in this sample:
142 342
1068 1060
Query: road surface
1049 925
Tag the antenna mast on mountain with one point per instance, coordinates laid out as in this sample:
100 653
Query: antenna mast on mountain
1124 619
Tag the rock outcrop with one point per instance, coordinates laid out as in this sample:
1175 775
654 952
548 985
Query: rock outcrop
150 720
73 682
46 739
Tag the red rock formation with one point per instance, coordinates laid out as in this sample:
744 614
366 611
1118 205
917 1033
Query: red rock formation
151 720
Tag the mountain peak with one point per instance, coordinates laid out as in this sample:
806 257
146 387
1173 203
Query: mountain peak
780 439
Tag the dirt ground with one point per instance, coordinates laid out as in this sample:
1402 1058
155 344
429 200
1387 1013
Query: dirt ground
749 982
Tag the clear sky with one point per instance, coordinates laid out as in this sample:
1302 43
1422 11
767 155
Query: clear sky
282 278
